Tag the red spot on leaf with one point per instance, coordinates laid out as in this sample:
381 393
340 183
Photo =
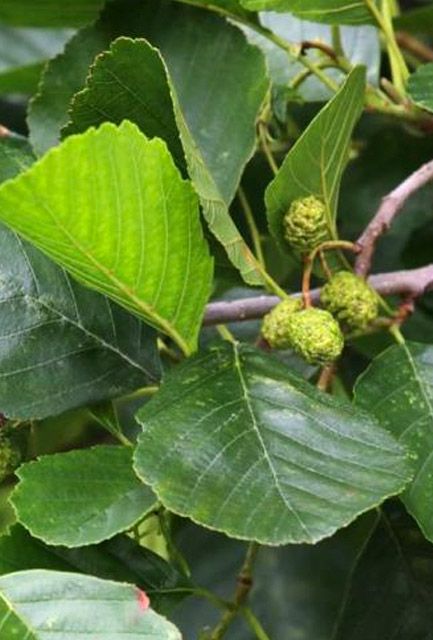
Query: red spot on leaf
143 600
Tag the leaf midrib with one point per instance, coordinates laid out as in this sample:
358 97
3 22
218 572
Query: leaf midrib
244 388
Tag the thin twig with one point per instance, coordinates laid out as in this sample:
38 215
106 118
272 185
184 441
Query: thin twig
414 282
255 234
390 207
245 582
417 48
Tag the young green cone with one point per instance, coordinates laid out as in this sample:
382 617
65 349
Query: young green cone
315 335
274 327
350 299
305 224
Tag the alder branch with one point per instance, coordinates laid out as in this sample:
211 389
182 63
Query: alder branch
412 283
391 205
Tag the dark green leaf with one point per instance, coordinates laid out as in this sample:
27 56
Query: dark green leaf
114 178
65 346
315 164
81 497
36 605
238 444
390 593
298 589
398 389
328 11
420 86
47 13
128 82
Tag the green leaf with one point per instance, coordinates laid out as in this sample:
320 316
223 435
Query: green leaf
154 264
129 81
120 559
238 444
216 119
66 73
315 164
420 86
66 345
389 594
80 497
297 588
398 389
37 604
46 13
21 53
62 344
328 11
217 125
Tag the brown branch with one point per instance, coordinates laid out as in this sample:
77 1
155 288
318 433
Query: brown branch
412 283
414 46
390 207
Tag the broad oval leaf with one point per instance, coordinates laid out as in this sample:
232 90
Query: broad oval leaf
42 605
397 388
238 444
316 162
419 86
80 497
328 11
111 207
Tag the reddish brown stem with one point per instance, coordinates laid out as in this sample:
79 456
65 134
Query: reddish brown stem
391 205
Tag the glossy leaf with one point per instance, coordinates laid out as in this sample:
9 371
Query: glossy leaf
120 559
37 605
80 497
389 594
420 85
146 260
62 344
46 13
315 164
328 11
398 389
238 444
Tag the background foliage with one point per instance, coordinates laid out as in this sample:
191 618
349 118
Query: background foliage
165 473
